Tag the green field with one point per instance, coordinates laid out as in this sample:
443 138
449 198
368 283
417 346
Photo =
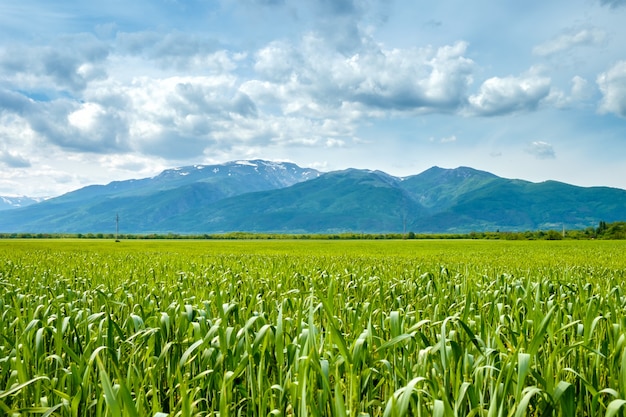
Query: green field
312 328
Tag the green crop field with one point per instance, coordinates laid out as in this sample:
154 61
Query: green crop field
312 328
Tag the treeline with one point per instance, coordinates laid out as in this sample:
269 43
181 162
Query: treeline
615 230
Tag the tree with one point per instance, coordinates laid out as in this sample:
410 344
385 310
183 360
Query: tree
601 227
553 235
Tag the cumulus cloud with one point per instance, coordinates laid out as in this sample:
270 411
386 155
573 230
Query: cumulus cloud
85 127
66 123
583 37
498 96
541 150
424 80
173 117
183 117
612 84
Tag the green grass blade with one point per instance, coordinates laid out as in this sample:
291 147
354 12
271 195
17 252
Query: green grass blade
109 394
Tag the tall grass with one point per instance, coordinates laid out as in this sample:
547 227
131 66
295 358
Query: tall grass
312 329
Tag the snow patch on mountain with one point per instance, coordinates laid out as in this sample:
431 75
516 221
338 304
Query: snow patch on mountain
247 163
14 202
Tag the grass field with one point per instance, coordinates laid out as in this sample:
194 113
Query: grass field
320 328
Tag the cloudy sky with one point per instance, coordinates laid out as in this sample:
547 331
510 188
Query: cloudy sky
92 92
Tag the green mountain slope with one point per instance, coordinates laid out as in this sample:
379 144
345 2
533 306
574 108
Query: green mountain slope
521 205
341 201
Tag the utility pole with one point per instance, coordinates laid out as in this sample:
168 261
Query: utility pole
117 226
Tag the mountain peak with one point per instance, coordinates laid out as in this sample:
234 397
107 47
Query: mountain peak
459 172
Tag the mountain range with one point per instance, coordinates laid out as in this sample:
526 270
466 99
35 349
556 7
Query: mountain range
263 196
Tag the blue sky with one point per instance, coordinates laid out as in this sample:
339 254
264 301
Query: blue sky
92 92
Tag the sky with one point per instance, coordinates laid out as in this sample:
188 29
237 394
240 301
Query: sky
92 92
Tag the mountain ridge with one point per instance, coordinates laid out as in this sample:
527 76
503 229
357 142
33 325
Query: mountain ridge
265 196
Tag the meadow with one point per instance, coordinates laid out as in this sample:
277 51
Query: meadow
312 328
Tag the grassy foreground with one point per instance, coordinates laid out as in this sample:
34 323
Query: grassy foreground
320 328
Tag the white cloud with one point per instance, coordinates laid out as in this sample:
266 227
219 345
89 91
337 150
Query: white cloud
204 115
425 80
86 116
583 37
541 150
178 117
498 96
418 79
277 61
612 84
580 92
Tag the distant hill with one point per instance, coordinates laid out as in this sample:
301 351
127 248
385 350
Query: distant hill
262 196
